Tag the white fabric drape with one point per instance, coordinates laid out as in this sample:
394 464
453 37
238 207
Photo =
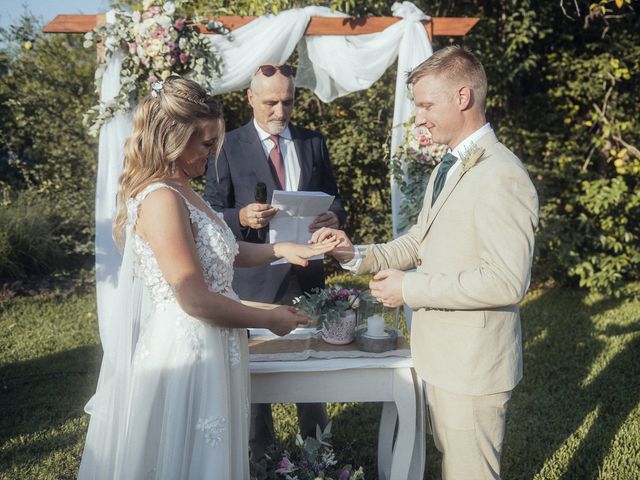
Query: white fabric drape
331 66
113 135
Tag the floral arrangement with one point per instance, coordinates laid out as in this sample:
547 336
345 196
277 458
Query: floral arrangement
411 165
314 459
157 43
329 304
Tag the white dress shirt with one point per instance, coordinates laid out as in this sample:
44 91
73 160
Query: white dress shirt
464 146
353 264
288 152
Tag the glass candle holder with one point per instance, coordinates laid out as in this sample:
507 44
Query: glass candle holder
376 320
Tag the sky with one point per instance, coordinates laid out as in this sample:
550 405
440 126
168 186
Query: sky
46 10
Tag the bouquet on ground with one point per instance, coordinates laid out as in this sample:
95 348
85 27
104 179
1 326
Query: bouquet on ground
312 459
328 305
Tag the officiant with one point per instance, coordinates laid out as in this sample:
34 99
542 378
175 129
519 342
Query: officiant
268 153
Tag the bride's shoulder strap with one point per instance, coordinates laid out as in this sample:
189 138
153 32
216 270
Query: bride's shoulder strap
133 204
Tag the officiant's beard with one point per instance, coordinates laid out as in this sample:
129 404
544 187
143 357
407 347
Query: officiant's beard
276 127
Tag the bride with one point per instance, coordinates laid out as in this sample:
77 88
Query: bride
172 400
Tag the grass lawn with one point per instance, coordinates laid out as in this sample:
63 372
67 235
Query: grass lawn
576 415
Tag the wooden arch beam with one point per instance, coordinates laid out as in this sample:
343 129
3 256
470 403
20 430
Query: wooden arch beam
437 26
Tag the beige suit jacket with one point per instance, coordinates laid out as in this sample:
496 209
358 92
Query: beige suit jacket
473 251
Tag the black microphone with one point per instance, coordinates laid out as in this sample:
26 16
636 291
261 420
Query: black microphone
261 192
261 197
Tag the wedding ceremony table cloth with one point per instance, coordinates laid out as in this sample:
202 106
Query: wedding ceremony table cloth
387 379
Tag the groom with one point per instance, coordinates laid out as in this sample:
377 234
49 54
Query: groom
472 247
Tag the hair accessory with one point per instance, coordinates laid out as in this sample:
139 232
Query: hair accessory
270 70
156 87
173 166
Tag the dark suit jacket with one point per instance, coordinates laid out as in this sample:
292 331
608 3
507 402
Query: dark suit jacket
241 165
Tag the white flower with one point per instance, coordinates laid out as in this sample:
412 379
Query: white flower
169 8
329 458
164 21
155 88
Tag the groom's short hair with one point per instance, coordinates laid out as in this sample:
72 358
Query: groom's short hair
458 65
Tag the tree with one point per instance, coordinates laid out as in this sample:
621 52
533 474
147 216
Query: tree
47 161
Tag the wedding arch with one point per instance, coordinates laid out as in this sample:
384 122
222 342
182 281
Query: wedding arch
337 55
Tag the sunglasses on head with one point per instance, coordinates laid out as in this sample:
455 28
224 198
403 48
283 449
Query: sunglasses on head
270 70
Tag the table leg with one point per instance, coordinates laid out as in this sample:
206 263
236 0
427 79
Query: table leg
388 421
418 458
404 394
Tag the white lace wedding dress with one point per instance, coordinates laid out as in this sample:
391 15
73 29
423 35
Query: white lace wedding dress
177 405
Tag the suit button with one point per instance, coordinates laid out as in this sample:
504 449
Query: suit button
419 261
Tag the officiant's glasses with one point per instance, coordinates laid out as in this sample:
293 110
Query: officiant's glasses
270 70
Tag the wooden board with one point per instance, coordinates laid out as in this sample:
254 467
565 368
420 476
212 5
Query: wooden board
437 26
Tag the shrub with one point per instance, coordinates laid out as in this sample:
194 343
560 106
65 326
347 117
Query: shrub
28 239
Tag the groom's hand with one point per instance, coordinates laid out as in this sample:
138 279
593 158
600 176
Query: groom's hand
386 286
344 250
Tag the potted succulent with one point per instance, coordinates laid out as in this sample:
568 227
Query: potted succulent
334 309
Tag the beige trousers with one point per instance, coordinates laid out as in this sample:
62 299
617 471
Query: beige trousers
469 431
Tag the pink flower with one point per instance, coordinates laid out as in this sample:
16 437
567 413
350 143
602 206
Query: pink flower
171 59
155 10
179 24
285 466
424 140
152 78
184 58
133 48
158 33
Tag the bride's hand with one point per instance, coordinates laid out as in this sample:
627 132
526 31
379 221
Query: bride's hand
284 319
297 253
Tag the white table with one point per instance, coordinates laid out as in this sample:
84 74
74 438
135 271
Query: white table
390 380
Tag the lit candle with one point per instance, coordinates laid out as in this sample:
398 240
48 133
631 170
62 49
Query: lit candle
375 326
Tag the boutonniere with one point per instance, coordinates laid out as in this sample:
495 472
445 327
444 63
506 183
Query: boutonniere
471 156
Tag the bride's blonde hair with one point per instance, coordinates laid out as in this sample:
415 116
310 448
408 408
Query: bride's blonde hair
163 123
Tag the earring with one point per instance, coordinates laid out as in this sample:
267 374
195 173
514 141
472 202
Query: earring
173 167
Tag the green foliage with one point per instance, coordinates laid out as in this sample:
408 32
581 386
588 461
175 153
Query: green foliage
47 161
357 131
28 243
562 95
265 7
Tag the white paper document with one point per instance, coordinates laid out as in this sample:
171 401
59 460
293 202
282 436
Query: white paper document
297 210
